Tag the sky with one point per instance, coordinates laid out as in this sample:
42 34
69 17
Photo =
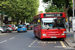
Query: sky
41 8
42 5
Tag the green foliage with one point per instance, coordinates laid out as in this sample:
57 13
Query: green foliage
46 0
60 6
54 9
23 9
61 3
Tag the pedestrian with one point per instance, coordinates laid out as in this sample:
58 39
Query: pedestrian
66 24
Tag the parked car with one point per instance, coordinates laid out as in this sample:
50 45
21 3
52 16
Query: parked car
22 28
29 27
5 29
12 26
15 27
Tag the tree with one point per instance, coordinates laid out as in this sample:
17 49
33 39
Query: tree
20 9
65 3
52 8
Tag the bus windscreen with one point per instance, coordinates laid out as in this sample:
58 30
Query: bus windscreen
53 23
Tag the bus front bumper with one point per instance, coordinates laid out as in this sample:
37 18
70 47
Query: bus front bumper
53 37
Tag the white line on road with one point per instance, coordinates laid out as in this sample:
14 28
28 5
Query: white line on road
58 46
3 33
3 41
12 38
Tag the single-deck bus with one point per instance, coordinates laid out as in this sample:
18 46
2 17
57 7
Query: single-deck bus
50 25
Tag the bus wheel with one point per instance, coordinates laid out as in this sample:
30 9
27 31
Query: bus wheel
36 36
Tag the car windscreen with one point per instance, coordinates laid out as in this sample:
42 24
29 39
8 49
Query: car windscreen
4 26
20 26
28 25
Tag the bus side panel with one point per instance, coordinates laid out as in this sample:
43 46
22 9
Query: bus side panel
35 30
38 31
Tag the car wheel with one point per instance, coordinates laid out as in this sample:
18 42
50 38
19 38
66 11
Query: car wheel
0 31
18 31
8 31
26 31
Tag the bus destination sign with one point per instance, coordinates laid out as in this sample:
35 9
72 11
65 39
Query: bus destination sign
52 15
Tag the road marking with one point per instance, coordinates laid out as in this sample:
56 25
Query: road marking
32 43
44 42
12 38
3 33
58 46
69 48
54 42
3 41
63 45
49 42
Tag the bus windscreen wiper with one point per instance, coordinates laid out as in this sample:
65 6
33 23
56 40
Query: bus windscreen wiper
58 27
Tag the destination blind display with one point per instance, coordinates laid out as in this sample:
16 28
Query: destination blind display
52 15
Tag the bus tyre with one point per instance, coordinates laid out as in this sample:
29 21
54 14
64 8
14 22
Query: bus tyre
36 36
26 31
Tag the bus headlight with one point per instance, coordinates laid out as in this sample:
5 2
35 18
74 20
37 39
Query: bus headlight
43 34
63 34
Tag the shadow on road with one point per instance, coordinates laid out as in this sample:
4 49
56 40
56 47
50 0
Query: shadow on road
59 39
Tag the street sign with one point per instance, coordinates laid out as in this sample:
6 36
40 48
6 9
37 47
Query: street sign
73 24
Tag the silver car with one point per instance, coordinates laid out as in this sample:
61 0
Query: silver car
5 29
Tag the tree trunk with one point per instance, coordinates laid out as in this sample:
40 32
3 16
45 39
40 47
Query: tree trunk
21 21
11 20
1 17
18 21
24 20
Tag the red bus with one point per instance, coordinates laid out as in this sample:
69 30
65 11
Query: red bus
50 25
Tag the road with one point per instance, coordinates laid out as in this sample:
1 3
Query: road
27 41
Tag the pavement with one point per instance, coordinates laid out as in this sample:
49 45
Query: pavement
70 38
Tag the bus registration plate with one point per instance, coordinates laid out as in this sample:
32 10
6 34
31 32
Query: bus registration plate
53 37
